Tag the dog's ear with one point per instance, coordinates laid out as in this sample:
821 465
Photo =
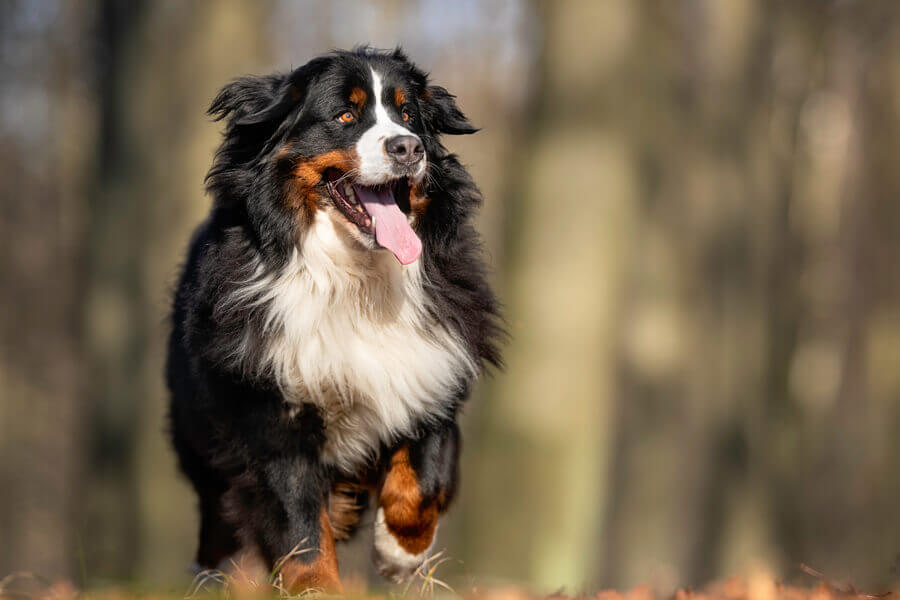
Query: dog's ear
441 114
248 100
253 100
438 108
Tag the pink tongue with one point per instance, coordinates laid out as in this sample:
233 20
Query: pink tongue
392 230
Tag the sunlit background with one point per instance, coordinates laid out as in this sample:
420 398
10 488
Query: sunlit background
692 215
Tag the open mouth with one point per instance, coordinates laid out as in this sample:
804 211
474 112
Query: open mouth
380 211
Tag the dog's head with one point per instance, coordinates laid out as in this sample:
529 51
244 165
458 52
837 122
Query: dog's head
349 133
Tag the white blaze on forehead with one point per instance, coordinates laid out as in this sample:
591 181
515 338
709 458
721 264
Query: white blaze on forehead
374 163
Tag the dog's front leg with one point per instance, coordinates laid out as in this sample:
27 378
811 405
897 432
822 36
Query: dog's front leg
419 485
278 497
287 515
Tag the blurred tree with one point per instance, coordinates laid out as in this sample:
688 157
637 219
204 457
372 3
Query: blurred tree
696 277
44 128
160 64
542 454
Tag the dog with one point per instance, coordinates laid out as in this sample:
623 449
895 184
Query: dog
330 319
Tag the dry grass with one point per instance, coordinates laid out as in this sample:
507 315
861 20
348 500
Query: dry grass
239 584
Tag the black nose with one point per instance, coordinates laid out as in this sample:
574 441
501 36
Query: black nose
405 149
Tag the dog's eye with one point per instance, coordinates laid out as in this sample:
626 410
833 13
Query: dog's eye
404 115
346 117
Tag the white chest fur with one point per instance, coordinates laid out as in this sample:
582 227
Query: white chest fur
347 328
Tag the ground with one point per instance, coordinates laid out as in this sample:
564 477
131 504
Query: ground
213 586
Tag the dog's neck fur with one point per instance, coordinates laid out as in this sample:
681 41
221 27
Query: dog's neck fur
348 329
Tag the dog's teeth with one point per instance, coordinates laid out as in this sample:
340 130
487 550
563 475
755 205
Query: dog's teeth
348 191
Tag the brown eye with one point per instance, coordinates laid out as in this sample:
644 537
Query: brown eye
347 117
405 115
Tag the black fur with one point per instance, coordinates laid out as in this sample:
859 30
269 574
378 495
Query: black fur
435 459
253 460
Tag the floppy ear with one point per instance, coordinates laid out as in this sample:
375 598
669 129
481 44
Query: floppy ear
253 100
249 100
441 113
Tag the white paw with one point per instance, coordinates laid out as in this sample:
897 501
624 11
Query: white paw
391 560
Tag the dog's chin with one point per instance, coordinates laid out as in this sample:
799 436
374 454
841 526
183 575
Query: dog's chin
349 232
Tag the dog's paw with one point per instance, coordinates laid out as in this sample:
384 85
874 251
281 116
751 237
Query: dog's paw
394 562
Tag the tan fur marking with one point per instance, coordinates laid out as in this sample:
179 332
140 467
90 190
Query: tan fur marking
418 201
408 520
308 174
399 98
320 574
358 97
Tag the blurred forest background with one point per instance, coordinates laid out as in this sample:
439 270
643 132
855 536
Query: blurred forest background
691 213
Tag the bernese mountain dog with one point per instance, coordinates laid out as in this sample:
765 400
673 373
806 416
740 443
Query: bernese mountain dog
330 319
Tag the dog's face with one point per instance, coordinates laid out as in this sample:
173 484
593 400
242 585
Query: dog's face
362 153
351 134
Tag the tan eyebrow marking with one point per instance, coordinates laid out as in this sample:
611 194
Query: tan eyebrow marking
358 97
399 98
